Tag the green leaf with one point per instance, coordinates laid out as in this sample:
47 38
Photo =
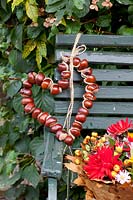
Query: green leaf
4 5
17 106
41 51
125 2
22 145
33 32
31 174
32 10
14 88
28 48
130 10
6 182
32 193
37 146
79 4
104 21
56 6
72 27
16 3
52 1
16 36
45 101
18 63
124 30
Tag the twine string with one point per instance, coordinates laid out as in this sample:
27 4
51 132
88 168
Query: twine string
75 51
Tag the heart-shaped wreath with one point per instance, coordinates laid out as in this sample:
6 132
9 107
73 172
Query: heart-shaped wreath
65 133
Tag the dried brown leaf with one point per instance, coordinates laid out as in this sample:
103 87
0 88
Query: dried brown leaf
73 167
69 157
79 181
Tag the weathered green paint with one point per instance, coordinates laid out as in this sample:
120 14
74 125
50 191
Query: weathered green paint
53 157
105 92
115 108
112 104
105 75
95 40
52 189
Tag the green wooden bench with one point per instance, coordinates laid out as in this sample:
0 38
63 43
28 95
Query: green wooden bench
113 102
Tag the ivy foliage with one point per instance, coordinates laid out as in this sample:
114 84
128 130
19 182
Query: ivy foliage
27 43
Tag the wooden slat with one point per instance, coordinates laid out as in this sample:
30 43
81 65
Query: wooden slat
113 108
53 157
105 75
97 122
119 58
106 92
95 40
52 189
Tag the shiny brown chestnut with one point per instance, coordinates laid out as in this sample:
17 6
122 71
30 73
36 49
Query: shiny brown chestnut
26 92
39 78
29 107
63 83
36 112
69 140
62 67
55 127
90 79
89 95
27 84
83 64
55 89
46 84
92 87
84 111
80 117
76 61
87 103
42 117
75 132
65 74
50 121
27 100
86 72
77 124
61 134
31 77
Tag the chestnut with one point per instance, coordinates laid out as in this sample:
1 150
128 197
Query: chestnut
63 83
29 107
50 121
31 77
90 79
87 103
89 95
46 83
76 61
42 117
25 92
75 132
55 127
84 111
39 78
27 84
80 117
69 140
55 89
65 74
62 67
26 100
36 112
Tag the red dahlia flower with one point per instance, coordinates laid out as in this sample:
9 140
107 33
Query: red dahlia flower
120 127
101 163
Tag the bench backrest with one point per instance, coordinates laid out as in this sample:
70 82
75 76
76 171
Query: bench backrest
115 97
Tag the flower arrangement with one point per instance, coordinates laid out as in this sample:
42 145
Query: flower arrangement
104 164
